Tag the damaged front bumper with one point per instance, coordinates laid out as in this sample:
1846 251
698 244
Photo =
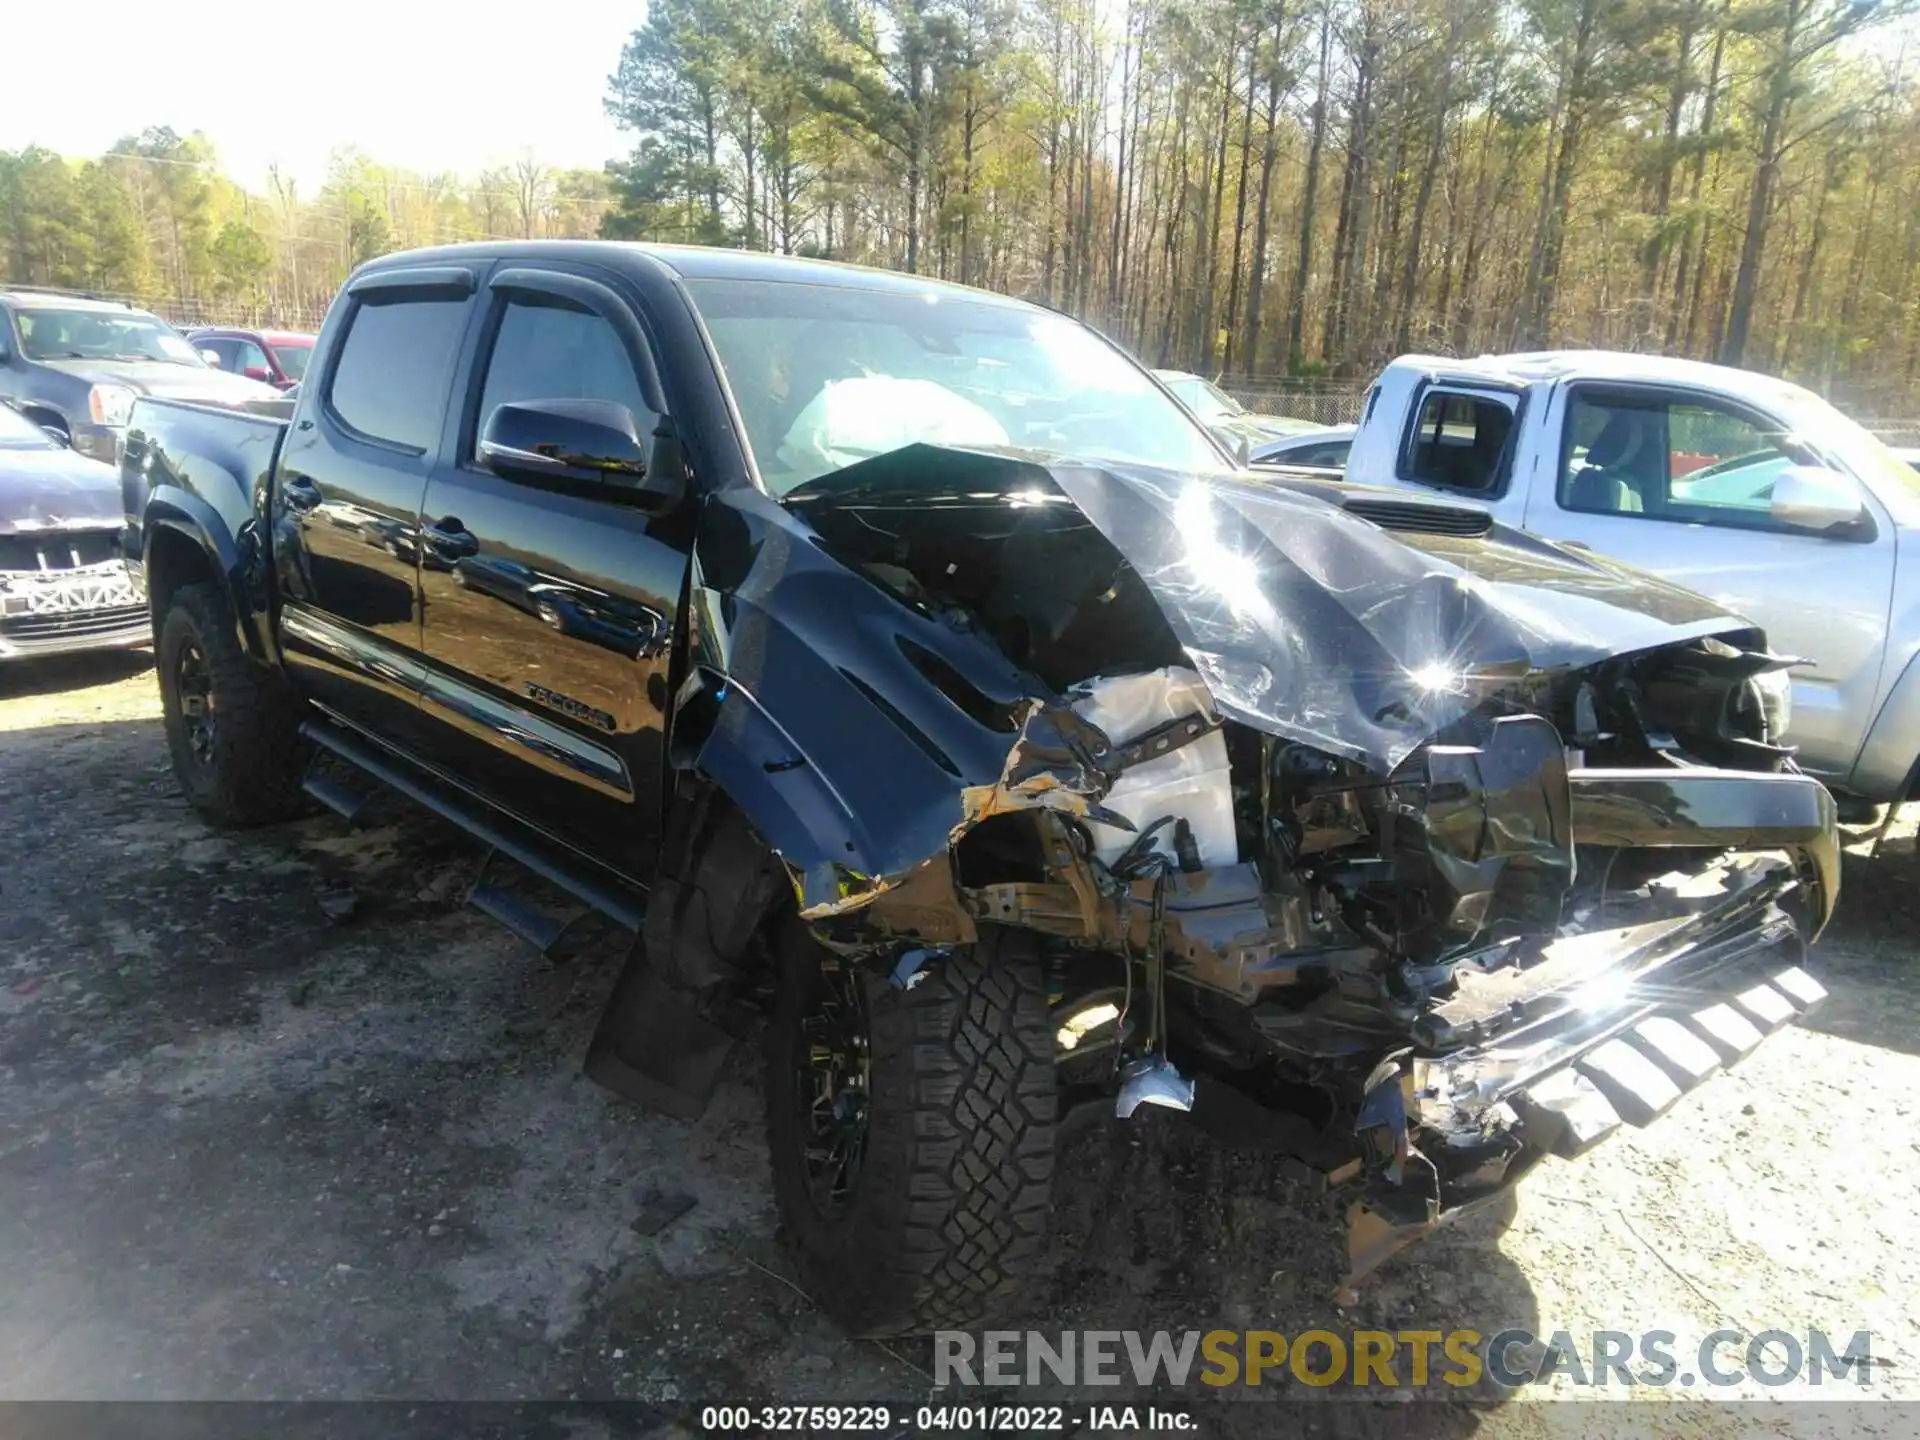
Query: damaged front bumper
88 607
1610 1025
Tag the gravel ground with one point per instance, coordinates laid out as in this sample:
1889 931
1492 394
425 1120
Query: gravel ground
248 1151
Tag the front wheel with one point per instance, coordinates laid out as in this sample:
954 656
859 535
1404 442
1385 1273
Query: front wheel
232 725
912 1131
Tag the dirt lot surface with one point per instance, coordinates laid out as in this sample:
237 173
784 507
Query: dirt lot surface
251 1151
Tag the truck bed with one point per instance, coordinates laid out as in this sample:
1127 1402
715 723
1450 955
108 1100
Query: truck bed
204 471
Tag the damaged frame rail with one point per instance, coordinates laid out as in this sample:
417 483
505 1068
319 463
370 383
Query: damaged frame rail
1606 1026
1610 1026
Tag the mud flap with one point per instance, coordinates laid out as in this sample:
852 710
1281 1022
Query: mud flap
654 1047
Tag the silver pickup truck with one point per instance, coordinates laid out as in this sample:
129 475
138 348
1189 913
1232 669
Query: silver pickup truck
1743 487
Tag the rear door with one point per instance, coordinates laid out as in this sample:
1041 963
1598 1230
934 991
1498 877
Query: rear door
549 606
1680 483
346 501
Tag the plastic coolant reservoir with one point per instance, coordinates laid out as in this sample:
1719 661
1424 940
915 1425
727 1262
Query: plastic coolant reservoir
1191 783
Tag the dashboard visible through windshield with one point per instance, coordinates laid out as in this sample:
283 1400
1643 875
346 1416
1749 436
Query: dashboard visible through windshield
826 376
101 335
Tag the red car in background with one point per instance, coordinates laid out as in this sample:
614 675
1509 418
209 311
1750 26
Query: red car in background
278 357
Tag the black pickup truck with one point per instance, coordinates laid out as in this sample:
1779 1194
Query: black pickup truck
915 678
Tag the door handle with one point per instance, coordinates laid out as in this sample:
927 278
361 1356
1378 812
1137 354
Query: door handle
451 540
302 495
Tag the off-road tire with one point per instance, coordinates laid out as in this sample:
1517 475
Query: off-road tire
254 761
947 1217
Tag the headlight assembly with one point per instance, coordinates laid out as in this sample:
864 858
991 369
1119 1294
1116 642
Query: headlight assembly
1774 690
110 404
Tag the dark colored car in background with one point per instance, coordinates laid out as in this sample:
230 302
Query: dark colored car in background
274 357
75 366
1322 448
63 585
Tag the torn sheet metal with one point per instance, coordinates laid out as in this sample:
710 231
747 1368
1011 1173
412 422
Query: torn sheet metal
1314 624
1304 620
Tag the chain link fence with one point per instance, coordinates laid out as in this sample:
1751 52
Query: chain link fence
191 314
1320 404
1896 432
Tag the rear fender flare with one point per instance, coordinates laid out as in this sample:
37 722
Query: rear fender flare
186 514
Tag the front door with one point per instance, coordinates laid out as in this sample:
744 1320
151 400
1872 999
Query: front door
550 607
1681 484
346 501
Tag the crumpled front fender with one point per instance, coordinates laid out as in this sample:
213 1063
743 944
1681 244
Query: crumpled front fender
845 724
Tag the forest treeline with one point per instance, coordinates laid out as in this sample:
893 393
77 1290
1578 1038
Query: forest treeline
1242 187
155 220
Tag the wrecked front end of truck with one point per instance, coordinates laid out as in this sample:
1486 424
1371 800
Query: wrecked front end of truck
1415 849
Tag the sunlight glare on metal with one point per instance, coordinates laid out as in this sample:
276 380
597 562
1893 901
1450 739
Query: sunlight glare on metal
1227 573
1083 1023
1606 992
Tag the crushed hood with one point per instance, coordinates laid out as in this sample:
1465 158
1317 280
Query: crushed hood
1303 619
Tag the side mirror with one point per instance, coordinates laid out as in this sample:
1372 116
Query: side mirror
588 442
212 357
1810 497
59 437
257 372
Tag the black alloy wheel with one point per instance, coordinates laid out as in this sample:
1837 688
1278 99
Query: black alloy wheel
193 683
834 1086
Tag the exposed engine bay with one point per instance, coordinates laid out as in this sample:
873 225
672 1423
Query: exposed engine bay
1356 834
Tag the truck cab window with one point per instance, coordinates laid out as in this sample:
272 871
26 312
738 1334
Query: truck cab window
390 382
547 348
1681 460
1460 440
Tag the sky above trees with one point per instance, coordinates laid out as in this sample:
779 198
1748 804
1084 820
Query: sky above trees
391 79
1234 186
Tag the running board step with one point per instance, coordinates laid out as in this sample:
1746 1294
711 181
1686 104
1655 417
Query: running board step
541 926
540 853
336 794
